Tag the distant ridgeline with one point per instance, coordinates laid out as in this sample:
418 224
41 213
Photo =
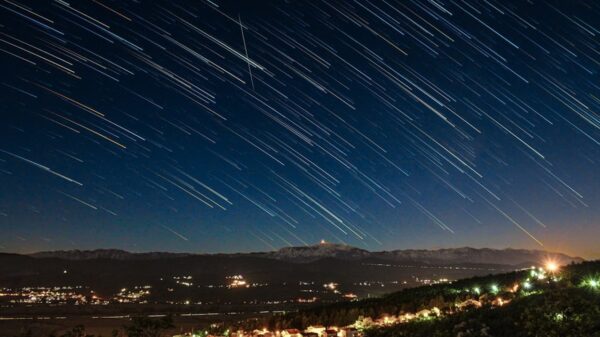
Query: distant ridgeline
303 254
543 301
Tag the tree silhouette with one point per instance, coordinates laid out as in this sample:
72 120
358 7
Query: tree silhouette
148 327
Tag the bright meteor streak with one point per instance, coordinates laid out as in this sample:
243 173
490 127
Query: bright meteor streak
40 166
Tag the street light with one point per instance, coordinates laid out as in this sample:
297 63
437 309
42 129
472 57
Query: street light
551 266
592 283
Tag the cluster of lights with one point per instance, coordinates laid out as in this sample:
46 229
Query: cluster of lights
351 296
184 280
135 295
371 284
307 300
548 273
593 283
428 281
550 270
550 267
237 281
46 295
330 286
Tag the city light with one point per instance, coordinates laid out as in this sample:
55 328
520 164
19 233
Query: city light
331 285
592 283
237 281
551 266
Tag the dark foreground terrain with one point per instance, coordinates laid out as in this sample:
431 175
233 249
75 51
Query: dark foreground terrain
564 302
50 293
97 327
534 302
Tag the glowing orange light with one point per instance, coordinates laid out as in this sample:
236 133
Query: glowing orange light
551 266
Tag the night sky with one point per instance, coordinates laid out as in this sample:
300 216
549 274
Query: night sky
225 126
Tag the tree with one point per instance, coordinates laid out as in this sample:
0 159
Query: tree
78 331
148 327
26 333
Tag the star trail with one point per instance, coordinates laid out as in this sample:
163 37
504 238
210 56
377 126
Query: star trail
217 126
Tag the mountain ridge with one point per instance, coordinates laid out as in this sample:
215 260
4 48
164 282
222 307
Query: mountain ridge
508 256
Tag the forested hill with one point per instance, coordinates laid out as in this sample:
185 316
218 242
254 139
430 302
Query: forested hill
533 299
560 312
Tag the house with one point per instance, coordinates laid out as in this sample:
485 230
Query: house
318 329
387 320
291 333
499 301
262 333
348 332
469 303
423 313
406 317
363 323
330 333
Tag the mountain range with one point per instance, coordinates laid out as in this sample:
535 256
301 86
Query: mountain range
282 276
304 254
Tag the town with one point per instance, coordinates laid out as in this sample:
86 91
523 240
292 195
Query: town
491 295
141 294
